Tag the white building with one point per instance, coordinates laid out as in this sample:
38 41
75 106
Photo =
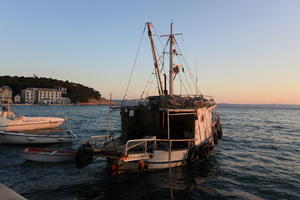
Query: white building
29 95
17 99
48 96
62 89
65 100
41 96
5 94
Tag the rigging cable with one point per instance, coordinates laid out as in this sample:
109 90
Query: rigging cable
134 63
149 82
160 60
186 78
184 85
189 70
157 33
150 87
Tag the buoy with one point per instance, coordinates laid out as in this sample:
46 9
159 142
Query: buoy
84 156
142 164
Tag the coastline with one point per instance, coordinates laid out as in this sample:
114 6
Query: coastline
70 104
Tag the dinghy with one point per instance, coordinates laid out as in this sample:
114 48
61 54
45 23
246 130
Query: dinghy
48 155
24 138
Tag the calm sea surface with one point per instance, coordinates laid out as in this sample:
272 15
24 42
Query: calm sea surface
258 158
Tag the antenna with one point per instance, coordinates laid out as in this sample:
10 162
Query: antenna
109 115
196 72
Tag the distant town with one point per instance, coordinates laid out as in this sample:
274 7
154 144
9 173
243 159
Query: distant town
35 96
46 91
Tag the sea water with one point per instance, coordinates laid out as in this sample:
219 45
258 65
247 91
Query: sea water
257 158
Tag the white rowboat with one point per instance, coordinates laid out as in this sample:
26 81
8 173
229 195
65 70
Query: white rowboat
48 155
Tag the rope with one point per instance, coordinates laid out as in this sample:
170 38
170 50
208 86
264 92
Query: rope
134 63
189 70
157 32
160 60
188 82
150 87
148 83
187 92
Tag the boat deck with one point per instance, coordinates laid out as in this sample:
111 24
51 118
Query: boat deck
133 150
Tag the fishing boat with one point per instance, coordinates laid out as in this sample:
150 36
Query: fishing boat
162 131
10 122
48 155
26 138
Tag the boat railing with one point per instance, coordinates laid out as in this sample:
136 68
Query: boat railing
104 143
98 141
148 145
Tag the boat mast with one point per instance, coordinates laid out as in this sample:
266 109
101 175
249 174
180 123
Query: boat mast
155 59
171 71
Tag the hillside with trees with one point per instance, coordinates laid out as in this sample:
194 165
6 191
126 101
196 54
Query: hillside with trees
76 92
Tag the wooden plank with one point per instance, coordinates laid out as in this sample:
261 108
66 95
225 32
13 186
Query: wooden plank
8 194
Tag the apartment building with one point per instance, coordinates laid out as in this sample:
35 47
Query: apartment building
48 96
5 94
44 96
29 95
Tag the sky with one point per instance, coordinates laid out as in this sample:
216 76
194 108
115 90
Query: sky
240 51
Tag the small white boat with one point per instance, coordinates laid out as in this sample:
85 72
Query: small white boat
10 122
48 155
24 138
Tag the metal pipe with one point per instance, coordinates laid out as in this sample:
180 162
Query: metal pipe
168 121
171 71
155 58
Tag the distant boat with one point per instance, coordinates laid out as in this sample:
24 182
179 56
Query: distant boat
10 122
48 155
24 138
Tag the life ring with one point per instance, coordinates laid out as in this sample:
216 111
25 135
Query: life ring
84 156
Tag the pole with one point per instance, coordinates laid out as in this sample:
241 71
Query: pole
155 59
171 71
165 81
